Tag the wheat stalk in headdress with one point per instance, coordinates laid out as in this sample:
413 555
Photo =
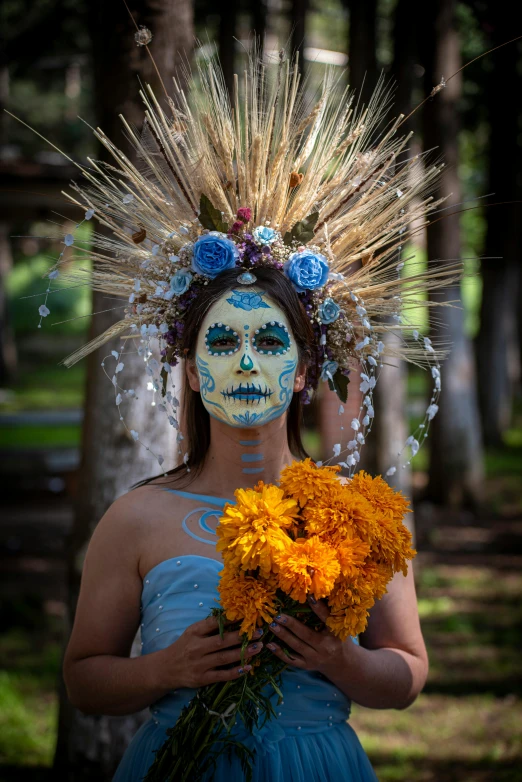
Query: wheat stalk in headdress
285 157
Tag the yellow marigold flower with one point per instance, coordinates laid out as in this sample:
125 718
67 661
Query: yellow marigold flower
308 565
352 554
348 622
348 514
385 500
390 538
305 482
246 598
253 531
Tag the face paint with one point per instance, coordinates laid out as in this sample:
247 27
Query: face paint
246 360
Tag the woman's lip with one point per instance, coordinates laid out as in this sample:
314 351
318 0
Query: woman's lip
247 392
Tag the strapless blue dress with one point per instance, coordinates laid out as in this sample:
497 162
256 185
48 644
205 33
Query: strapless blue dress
310 741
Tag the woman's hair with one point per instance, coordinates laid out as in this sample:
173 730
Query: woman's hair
196 418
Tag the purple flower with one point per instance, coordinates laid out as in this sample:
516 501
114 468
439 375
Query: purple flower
213 254
307 270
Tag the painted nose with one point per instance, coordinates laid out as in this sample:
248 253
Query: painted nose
247 365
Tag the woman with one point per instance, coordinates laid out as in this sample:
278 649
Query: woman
152 562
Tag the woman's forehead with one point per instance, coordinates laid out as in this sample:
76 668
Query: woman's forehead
240 307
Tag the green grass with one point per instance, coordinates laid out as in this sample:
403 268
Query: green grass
63 436
465 726
28 713
27 721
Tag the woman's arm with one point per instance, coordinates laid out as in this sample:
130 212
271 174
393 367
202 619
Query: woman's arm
390 667
99 675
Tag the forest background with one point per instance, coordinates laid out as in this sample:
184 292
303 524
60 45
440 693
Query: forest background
63 460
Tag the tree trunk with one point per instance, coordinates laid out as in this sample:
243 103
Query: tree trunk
497 338
298 10
89 747
8 352
259 12
362 47
456 457
228 10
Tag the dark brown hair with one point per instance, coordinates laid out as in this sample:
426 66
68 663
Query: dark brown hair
196 426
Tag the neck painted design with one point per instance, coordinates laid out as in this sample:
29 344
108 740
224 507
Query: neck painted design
251 458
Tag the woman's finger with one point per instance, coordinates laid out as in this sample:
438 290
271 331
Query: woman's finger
295 659
298 628
227 657
290 639
319 607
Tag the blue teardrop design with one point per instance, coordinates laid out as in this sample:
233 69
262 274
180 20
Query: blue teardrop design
246 363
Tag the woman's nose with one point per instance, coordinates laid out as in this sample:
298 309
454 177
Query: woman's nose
247 365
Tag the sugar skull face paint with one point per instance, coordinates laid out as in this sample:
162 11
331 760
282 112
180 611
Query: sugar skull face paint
246 359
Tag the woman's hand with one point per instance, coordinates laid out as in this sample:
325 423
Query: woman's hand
314 650
193 660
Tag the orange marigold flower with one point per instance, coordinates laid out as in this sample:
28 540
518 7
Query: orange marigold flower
346 515
308 565
246 598
352 554
390 539
253 531
348 622
305 482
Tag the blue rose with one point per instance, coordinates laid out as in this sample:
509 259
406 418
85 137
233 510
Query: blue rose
329 369
329 311
180 282
247 301
264 235
213 254
307 270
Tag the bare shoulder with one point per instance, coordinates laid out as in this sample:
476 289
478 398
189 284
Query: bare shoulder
127 522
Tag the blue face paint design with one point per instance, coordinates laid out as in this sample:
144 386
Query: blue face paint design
246 364
286 381
248 418
252 457
221 340
248 300
271 339
249 392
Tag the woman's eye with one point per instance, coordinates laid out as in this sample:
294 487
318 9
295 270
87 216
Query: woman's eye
269 342
223 342
272 339
220 340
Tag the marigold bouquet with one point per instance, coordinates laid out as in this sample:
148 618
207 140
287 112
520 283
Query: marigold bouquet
311 535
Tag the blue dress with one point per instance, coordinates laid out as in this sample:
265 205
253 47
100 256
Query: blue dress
310 741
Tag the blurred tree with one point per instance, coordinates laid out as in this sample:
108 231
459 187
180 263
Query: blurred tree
90 747
362 47
259 12
228 10
497 338
298 11
8 352
456 456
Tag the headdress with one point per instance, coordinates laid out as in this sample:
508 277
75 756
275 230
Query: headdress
323 190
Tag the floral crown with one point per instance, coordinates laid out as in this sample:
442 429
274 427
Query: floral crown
318 191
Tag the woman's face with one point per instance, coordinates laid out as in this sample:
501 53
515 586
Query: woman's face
246 359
